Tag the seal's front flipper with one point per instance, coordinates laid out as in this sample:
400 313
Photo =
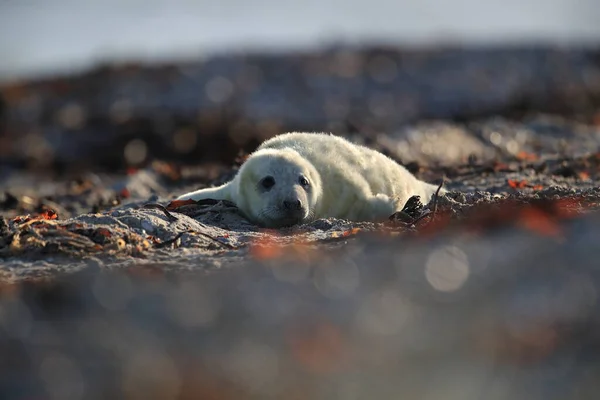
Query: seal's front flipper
222 192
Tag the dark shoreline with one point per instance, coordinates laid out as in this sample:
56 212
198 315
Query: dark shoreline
228 102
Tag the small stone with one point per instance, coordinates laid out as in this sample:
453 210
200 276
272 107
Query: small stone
322 224
50 247
148 227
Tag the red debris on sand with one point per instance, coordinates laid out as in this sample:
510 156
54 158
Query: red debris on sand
179 203
499 167
584 176
525 156
351 232
542 217
516 184
124 193
48 214
104 232
523 184
44 215
21 219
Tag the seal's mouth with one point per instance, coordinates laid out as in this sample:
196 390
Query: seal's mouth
284 219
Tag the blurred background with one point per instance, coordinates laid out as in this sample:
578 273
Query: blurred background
41 37
109 85
107 105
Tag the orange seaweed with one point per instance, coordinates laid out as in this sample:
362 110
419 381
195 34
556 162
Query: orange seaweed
516 184
48 214
179 203
525 156
351 232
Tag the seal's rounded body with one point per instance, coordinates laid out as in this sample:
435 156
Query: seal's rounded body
297 177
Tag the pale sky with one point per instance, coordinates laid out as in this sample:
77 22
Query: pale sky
39 36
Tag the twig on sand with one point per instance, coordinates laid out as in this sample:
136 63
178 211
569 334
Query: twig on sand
162 208
435 203
170 241
172 218
200 207
227 245
437 193
206 235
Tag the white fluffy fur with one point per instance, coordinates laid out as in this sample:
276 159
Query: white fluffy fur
346 181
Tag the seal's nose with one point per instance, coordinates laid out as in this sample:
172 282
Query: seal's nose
292 204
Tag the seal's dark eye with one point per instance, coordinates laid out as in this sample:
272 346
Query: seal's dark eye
267 182
303 181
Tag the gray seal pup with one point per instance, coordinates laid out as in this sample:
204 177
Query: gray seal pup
298 177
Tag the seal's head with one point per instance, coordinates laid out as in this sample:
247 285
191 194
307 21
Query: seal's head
277 188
